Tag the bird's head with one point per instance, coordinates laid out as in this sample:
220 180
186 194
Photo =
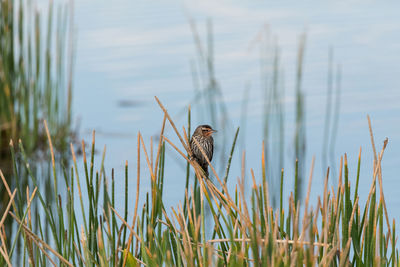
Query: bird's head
204 130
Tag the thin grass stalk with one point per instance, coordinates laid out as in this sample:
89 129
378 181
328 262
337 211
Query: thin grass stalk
137 197
300 136
47 211
187 163
38 241
227 173
335 118
296 182
79 186
328 110
281 211
125 205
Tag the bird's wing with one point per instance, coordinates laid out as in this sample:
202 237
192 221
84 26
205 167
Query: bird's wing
211 151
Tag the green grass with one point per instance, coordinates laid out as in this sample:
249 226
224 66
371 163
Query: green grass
36 59
337 230
35 74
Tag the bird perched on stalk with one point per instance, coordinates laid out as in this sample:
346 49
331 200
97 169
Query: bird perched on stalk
203 135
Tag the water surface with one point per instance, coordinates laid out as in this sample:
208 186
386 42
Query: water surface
130 51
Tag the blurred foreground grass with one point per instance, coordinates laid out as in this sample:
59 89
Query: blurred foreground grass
337 230
35 75
36 59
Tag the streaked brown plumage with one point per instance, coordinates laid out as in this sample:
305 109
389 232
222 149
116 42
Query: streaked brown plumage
203 135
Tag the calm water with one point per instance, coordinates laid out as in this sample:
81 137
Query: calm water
130 51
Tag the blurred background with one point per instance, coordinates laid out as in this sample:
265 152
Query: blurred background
301 77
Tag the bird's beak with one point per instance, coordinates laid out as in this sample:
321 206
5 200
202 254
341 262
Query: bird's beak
210 132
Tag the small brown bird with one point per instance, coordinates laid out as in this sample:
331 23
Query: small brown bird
203 135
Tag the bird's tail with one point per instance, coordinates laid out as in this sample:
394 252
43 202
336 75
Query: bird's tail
205 168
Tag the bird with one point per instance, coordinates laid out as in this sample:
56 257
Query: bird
203 135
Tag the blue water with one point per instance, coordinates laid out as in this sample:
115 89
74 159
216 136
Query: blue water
134 50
